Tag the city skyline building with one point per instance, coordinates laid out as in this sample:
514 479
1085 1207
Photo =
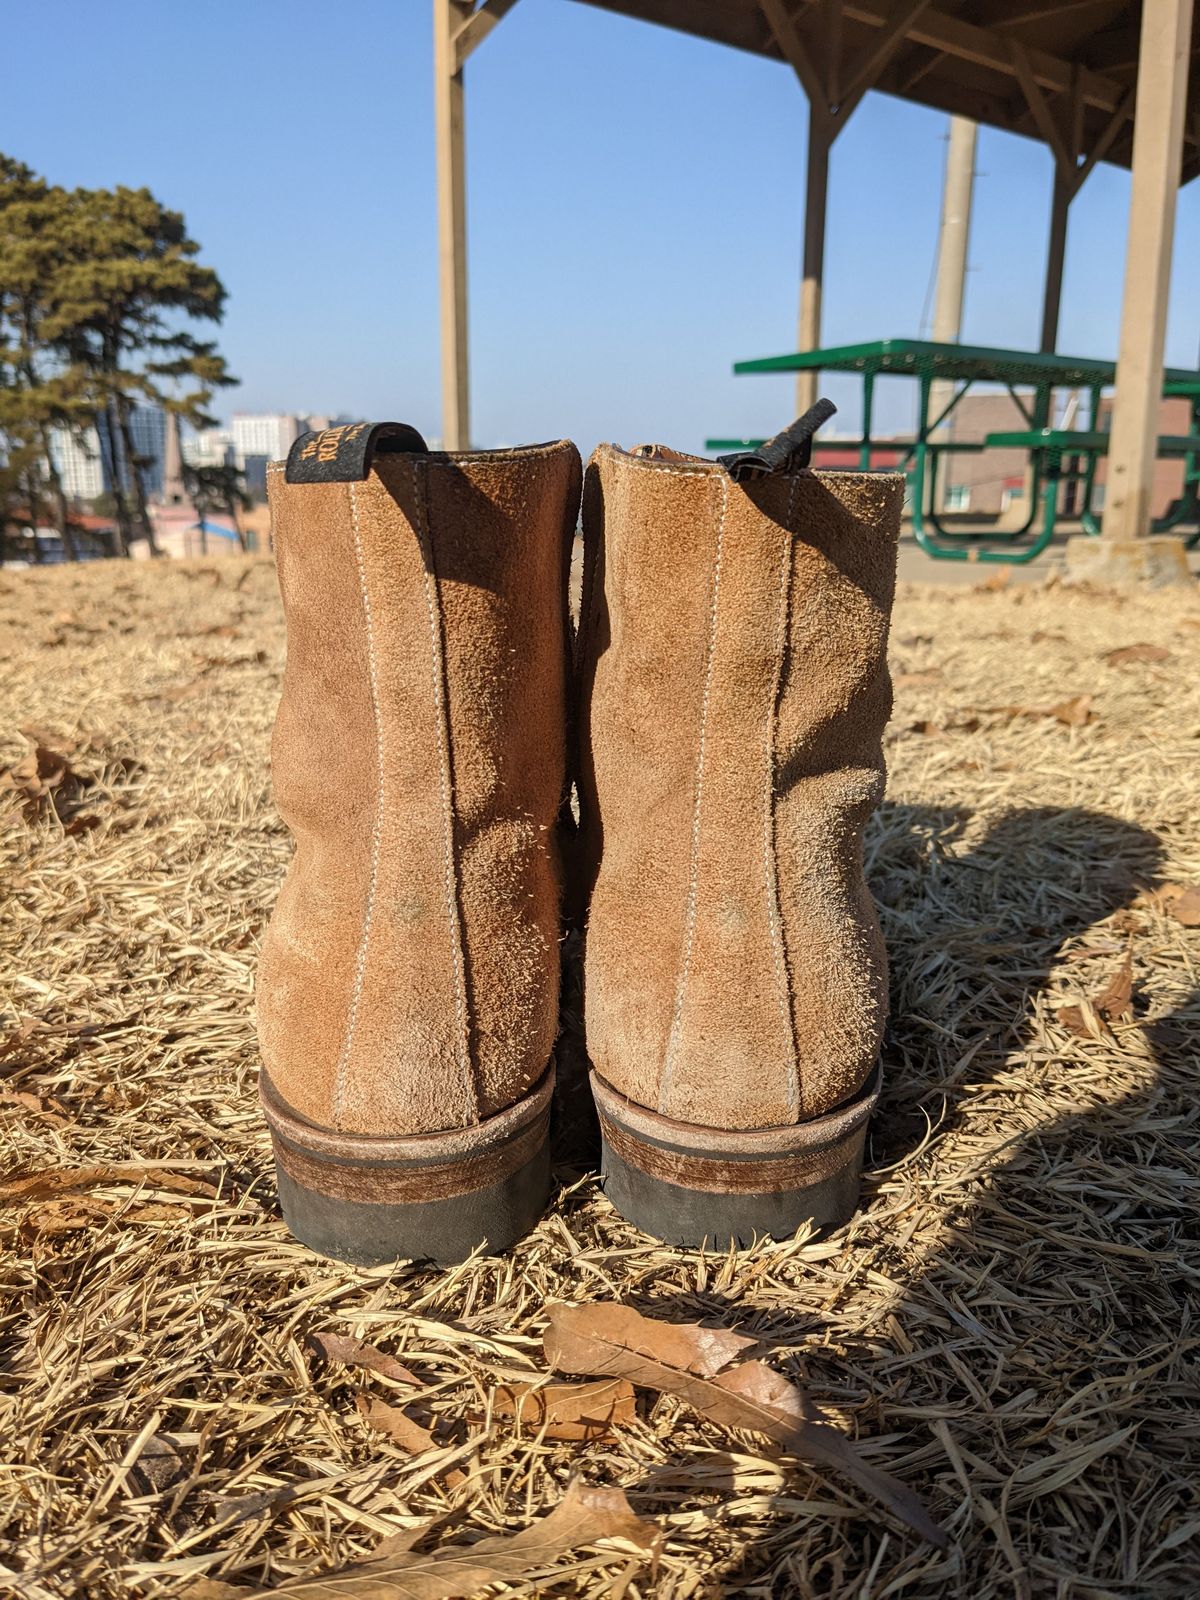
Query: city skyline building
269 434
249 442
77 460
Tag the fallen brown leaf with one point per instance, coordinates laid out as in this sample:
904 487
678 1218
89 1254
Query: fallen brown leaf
582 1517
402 1430
1074 713
1115 1000
22 1187
1185 908
51 1110
912 680
687 1360
1136 652
1084 1021
357 1353
567 1410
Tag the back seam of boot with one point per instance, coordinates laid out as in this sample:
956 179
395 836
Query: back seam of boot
775 921
424 533
342 1069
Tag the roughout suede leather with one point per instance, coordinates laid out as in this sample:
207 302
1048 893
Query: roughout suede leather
409 977
733 695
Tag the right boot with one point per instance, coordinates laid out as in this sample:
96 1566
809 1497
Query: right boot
733 696
408 986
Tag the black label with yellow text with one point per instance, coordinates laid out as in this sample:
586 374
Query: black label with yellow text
344 455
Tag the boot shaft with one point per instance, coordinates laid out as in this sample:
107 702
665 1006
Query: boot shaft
734 693
409 979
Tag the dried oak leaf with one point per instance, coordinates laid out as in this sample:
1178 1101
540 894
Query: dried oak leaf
43 779
1185 908
1090 1018
1115 1000
357 1353
567 1410
582 1517
693 1363
400 1428
1136 652
21 1187
1074 713
913 680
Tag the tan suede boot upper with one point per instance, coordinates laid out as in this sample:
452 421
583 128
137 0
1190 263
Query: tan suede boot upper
734 692
409 978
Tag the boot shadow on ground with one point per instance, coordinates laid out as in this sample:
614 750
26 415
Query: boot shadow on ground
1038 1292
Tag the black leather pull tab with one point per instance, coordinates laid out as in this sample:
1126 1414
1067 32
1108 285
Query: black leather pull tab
786 452
344 455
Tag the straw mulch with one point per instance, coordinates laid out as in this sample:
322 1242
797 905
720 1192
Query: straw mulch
1010 1325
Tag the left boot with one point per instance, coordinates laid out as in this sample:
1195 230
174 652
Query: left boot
733 696
408 987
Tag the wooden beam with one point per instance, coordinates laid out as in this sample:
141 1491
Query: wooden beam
448 18
832 31
1042 12
1039 106
864 73
1105 142
987 48
1157 153
915 66
795 52
469 35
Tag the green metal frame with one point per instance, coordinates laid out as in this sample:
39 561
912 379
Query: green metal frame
965 365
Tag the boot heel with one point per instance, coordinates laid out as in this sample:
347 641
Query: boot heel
370 1199
695 1186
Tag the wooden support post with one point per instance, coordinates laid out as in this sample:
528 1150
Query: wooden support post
448 17
1157 161
819 67
816 193
1056 254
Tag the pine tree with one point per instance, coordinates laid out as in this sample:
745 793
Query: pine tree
122 305
39 391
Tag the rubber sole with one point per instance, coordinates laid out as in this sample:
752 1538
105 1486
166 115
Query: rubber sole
436 1197
696 1186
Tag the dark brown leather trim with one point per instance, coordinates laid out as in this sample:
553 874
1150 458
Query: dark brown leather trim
399 1183
797 1169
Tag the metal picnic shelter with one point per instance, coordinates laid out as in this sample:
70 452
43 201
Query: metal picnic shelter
1093 80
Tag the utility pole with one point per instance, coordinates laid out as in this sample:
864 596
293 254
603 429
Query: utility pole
953 239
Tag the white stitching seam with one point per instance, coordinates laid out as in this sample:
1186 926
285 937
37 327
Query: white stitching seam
769 843
694 871
438 667
360 965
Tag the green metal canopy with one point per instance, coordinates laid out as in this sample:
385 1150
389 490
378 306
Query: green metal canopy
969 363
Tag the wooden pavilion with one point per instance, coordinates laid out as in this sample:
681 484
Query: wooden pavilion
1094 80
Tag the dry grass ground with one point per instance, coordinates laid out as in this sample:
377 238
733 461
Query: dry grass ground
1010 1325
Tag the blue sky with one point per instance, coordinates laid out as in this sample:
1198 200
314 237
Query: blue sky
630 231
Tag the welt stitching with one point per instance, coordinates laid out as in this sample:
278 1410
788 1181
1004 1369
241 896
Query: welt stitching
694 869
360 964
622 458
770 843
424 531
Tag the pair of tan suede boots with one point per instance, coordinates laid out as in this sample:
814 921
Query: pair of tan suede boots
718 716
